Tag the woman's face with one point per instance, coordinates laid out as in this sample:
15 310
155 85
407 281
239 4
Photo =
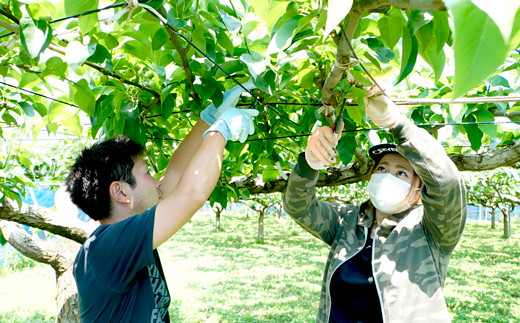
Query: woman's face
396 165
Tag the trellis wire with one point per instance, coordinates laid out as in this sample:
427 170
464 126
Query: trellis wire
398 101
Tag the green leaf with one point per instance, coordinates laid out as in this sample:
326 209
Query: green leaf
346 148
224 41
2 239
219 195
159 39
441 29
73 124
357 113
199 40
55 66
167 105
29 80
255 64
457 111
409 54
75 7
390 28
372 59
256 147
82 96
361 78
137 49
305 78
269 174
484 115
55 109
35 35
479 45
76 54
502 14
99 53
44 10
269 11
232 23
515 35
418 18
428 49
28 109
206 88
383 54
336 12
474 133
498 80
283 36
211 19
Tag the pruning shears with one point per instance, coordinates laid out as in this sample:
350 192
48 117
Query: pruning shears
335 126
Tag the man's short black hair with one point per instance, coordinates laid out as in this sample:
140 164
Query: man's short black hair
96 168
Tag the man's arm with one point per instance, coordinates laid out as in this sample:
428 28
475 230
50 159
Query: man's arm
194 187
200 173
181 157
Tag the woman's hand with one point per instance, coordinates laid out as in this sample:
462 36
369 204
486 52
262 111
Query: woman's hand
321 147
381 110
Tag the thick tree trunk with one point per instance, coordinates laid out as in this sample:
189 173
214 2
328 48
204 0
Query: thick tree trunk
217 222
261 226
59 255
507 222
493 214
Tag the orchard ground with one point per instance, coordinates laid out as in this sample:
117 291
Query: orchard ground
229 276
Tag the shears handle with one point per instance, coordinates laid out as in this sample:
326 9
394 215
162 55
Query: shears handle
339 117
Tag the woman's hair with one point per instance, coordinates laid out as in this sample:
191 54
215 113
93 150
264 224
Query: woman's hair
96 168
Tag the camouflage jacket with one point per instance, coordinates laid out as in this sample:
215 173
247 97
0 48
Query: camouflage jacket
411 249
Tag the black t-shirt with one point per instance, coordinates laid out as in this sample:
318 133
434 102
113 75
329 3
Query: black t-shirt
353 291
119 274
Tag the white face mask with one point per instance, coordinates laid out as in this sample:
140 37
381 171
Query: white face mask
388 193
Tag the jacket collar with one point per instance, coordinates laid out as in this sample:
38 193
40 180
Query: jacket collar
367 214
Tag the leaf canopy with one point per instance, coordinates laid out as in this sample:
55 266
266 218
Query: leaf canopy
95 69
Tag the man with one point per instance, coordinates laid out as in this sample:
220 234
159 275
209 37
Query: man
117 270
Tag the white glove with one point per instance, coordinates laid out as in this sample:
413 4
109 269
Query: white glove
381 110
235 124
321 147
210 114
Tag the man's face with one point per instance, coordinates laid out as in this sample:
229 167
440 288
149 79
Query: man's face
146 192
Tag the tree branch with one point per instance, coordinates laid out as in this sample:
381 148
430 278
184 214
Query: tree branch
344 55
4 10
343 59
360 170
10 27
43 251
108 73
184 59
507 156
45 219
374 5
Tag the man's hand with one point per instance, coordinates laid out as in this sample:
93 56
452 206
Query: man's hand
381 110
321 147
211 114
235 124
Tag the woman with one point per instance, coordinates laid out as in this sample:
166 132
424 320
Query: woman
389 255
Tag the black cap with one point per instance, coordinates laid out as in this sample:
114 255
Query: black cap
377 152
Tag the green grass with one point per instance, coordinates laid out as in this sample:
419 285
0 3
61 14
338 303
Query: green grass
483 282
27 294
229 277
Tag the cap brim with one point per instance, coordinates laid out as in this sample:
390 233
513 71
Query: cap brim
377 152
